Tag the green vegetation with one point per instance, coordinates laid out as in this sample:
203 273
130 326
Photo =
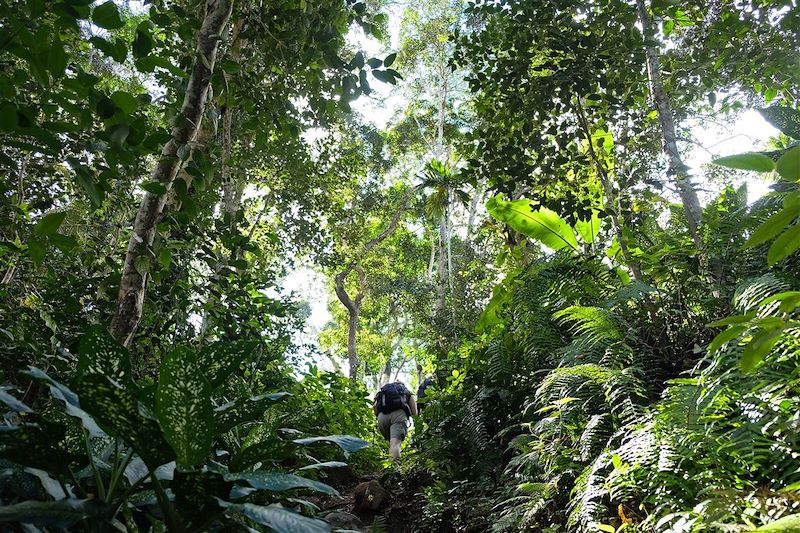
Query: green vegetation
611 327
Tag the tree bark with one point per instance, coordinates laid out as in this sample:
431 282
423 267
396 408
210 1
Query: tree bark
133 282
353 306
441 288
233 188
677 169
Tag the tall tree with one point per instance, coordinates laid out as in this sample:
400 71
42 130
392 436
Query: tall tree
187 125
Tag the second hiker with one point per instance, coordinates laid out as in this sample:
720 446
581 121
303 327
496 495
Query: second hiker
393 405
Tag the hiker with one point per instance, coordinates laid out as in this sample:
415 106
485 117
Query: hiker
393 406
423 386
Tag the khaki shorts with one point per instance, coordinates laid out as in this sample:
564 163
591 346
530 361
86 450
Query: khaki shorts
393 425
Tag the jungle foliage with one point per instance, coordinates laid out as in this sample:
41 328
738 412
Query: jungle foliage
611 330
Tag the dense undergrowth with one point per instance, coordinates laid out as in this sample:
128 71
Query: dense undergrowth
592 404
610 328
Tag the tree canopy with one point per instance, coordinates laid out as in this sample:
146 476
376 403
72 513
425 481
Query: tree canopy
521 203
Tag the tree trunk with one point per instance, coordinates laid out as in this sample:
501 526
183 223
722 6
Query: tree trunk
473 210
233 188
677 170
441 288
135 270
353 306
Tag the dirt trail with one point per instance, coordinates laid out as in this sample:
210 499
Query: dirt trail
376 502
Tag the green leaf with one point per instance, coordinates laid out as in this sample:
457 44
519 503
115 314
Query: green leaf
279 519
218 360
787 524
788 166
101 354
231 67
230 415
165 257
183 405
773 225
60 514
118 413
279 482
384 76
72 404
142 43
154 187
49 224
40 445
725 337
749 161
326 464
758 348
736 319
789 301
107 16
389 60
347 443
374 62
118 51
589 229
13 403
784 245
118 133
84 177
125 101
543 225
65 243
784 118
37 250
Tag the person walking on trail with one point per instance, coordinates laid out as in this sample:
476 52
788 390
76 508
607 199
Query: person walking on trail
423 387
393 406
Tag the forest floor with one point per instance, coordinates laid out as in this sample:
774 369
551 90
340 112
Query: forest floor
399 500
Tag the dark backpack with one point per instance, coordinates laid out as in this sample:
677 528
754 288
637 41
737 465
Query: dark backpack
427 382
391 397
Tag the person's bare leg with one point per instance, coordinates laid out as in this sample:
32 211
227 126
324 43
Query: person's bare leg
394 448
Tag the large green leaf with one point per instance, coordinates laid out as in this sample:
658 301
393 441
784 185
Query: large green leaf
749 161
101 354
13 403
183 406
758 348
61 514
230 415
347 443
773 225
38 444
107 16
787 524
501 295
49 224
197 495
788 166
117 411
279 482
72 405
269 450
589 229
220 359
280 519
784 118
786 244
543 225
